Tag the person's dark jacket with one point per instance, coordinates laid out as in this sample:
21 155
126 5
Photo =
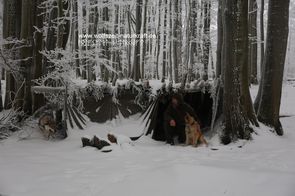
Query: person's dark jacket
177 114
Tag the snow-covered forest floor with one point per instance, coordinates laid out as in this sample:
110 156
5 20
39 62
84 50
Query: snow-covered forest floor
264 166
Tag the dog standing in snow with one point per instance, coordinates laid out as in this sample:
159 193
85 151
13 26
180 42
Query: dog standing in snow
47 125
193 131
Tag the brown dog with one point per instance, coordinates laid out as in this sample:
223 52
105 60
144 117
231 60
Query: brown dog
193 131
47 125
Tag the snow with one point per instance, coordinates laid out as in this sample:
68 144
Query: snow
123 140
262 167
122 82
155 85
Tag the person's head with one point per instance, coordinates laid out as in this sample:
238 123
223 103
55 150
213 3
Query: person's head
176 99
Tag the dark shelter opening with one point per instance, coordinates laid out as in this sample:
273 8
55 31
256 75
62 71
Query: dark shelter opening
201 102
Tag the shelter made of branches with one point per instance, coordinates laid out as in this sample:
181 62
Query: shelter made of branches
123 100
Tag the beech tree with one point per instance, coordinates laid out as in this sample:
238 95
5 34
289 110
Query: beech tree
258 97
237 105
206 35
253 41
11 32
219 38
136 62
273 64
38 44
23 95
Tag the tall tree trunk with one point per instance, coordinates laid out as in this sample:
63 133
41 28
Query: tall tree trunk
115 51
106 52
136 61
50 43
258 97
129 70
164 39
90 31
186 39
84 46
192 35
60 26
219 39
63 27
242 58
1 101
261 34
143 57
75 36
236 118
23 97
218 100
38 99
206 37
274 61
176 31
253 41
158 39
170 48
11 28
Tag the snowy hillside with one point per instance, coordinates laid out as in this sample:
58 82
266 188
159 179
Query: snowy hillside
262 167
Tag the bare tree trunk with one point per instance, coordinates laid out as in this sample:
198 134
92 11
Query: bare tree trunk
106 52
83 62
23 97
62 25
75 37
90 31
253 41
193 45
206 37
176 31
164 37
242 58
235 102
136 62
258 97
50 42
11 28
274 62
129 72
38 99
219 39
1 101
115 51
261 34
144 39
158 38
170 42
